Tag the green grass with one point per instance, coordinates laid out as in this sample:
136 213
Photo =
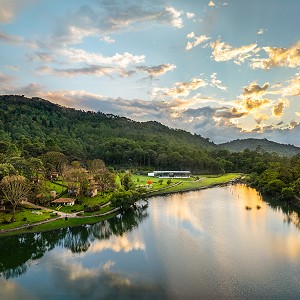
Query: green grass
59 224
51 185
21 214
187 185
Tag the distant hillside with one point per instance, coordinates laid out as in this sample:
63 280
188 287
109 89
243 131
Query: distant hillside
261 145
34 126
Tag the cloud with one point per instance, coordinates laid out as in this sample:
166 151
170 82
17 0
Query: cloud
232 113
11 39
255 104
225 52
105 17
293 89
260 118
278 57
254 90
181 89
277 109
216 82
157 70
74 55
260 31
10 8
190 15
211 4
197 40
89 70
108 40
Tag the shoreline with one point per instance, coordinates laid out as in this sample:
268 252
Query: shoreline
107 215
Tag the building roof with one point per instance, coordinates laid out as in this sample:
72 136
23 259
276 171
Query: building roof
174 172
63 200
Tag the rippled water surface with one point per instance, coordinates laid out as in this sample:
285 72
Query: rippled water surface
196 245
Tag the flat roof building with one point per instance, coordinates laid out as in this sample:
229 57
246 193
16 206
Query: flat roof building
170 174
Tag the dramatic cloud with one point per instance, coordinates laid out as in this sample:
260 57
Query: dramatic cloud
157 70
277 109
260 118
225 52
278 57
181 89
197 40
254 90
232 113
255 104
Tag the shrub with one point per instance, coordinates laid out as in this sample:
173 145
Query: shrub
24 219
169 181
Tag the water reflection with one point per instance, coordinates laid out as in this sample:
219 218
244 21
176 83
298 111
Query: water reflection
30 247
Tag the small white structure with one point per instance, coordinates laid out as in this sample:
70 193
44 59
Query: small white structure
170 174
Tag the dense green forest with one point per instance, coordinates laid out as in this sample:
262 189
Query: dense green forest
35 133
260 144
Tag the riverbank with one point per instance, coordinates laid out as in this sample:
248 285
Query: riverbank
72 220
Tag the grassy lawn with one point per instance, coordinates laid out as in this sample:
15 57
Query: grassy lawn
60 224
207 181
51 185
142 180
23 213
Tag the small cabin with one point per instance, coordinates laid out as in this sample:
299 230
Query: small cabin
64 201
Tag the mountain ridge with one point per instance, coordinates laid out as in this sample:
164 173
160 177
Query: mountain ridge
264 144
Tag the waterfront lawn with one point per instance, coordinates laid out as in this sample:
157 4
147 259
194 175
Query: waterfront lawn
23 216
205 181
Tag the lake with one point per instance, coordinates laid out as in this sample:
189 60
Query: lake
218 243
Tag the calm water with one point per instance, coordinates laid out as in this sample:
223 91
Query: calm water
196 245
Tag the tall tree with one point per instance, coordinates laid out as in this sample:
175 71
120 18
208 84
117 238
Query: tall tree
14 188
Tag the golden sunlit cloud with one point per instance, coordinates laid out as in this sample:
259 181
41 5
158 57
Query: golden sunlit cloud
255 104
181 89
197 40
277 109
225 52
254 90
260 118
278 57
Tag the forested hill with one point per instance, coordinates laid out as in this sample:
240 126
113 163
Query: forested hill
261 145
32 127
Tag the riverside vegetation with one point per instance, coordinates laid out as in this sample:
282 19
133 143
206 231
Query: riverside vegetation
39 140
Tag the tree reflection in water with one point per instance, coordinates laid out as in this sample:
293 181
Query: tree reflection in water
17 252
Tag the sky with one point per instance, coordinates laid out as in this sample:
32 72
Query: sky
223 69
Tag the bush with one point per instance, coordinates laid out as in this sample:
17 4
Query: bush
169 181
24 219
